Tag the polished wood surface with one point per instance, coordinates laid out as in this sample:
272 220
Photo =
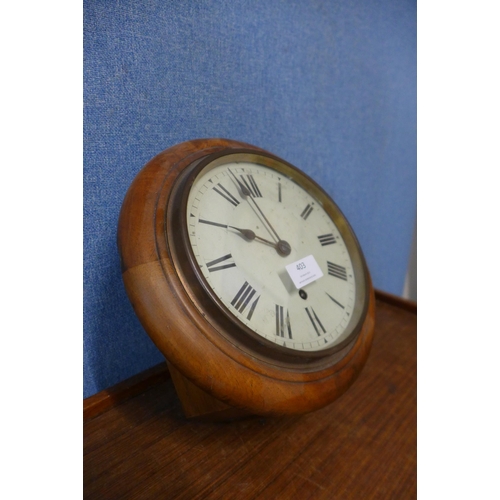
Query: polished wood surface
104 400
362 446
200 405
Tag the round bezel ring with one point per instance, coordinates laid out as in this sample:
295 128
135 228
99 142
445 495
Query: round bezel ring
229 326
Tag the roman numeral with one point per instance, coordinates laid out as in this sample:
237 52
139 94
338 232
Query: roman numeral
220 189
337 271
283 327
251 185
252 308
212 266
243 298
306 212
314 319
327 239
279 192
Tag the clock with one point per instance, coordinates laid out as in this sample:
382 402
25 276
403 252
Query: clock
247 277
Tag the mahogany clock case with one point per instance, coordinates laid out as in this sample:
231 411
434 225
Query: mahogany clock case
187 321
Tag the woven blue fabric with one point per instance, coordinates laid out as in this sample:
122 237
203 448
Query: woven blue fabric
328 86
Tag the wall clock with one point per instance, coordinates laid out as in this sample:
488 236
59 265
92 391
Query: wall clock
247 277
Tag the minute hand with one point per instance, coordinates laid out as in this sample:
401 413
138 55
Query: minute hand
247 193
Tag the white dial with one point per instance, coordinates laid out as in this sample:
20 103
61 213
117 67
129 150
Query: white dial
246 223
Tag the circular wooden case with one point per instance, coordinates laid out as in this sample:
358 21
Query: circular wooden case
197 338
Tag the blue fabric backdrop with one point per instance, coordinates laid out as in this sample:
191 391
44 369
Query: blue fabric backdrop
328 85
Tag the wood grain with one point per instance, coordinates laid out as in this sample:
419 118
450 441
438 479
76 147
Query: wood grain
196 403
395 300
104 400
362 446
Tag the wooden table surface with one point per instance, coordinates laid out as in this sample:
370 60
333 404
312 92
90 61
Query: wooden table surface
362 446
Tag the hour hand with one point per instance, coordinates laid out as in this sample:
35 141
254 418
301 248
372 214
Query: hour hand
248 234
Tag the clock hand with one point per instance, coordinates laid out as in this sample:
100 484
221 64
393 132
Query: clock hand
247 233
248 196
250 235
282 247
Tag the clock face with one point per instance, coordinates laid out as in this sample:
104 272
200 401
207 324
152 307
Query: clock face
271 255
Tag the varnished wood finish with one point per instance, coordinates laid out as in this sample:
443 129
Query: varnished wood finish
190 332
409 305
362 446
104 400
200 405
